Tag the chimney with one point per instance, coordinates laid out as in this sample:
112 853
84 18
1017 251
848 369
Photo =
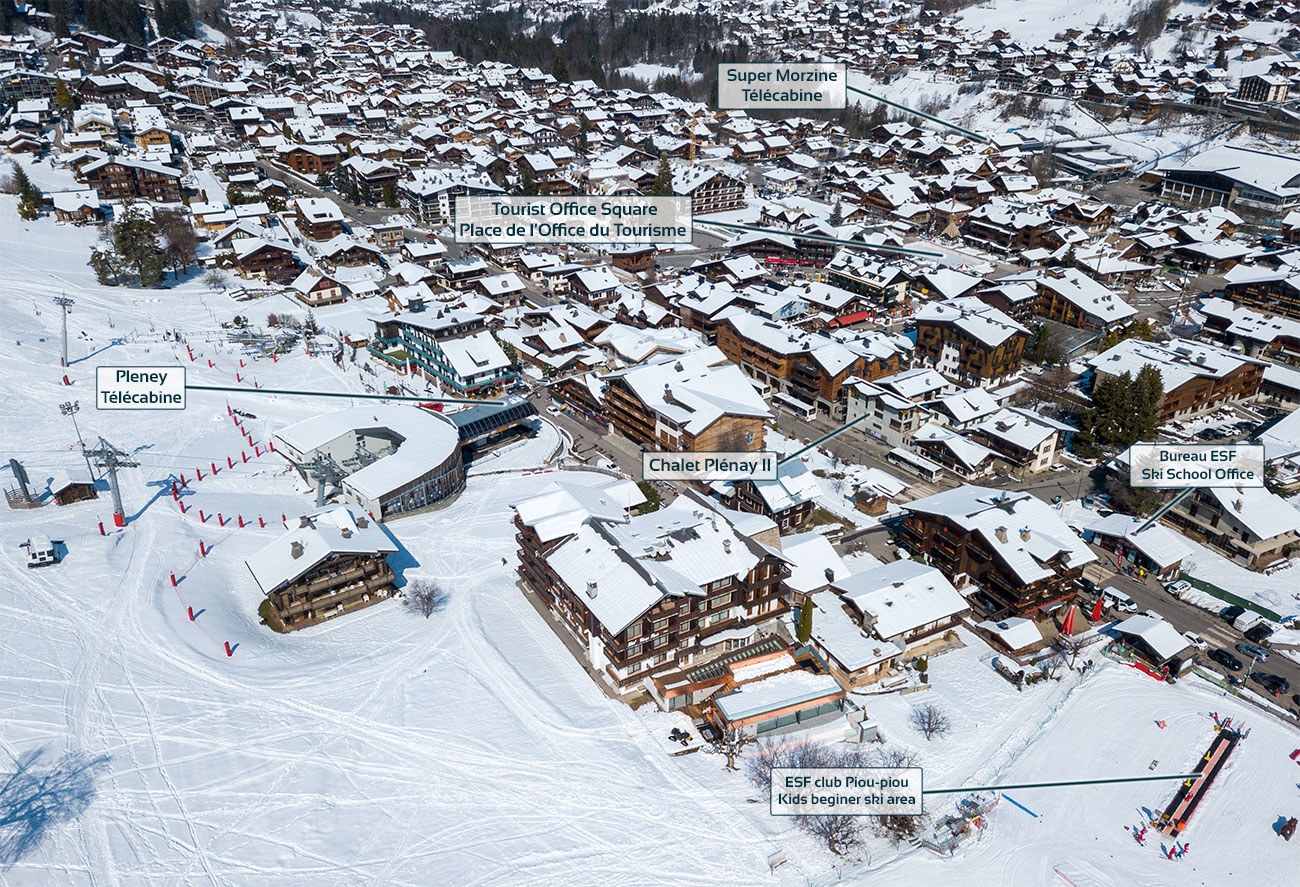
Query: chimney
304 522
1024 534
726 546
295 549
830 574
347 533
1238 504
362 522
1001 533
592 589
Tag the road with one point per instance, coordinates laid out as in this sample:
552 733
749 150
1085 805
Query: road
1217 633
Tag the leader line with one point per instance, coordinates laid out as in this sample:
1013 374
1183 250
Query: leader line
292 393
1059 784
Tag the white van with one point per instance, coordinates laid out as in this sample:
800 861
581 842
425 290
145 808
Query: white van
1118 600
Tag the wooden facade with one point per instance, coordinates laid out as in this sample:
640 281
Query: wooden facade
337 585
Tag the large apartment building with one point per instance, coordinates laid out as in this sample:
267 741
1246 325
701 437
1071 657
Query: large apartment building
698 401
1011 547
651 594
970 341
1196 377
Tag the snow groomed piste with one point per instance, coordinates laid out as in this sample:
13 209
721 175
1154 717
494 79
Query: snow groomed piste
1191 792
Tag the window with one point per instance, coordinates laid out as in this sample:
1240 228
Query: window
659 624
633 650
634 631
660 641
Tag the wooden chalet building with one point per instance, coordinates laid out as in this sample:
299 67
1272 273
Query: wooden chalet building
126 179
652 594
698 401
330 564
970 341
1011 546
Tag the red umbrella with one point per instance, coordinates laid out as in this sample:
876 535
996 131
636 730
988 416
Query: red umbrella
1096 611
1068 626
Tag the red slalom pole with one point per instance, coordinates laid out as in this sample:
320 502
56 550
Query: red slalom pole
181 503
241 520
190 611
243 456
221 521
229 464
176 493
214 469
184 483
229 652
173 580
199 473
203 549
101 529
261 523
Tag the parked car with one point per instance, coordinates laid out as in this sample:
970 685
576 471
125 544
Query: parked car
1273 683
1259 654
1118 600
1230 614
1226 659
554 411
1259 633
1087 585
1195 640
1178 588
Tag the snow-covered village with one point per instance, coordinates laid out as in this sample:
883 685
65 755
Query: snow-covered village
650 442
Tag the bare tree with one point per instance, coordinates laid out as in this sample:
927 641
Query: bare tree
896 757
840 832
215 278
39 795
182 243
1072 645
931 721
899 828
424 596
731 744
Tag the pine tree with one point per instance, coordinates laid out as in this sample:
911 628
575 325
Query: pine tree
663 183
390 195
527 181
136 247
63 98
28 209
21 185
804 630
837 213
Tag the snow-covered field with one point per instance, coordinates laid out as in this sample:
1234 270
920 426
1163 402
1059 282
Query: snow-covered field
468 749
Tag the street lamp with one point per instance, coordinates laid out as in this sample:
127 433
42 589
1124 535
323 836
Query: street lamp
70 409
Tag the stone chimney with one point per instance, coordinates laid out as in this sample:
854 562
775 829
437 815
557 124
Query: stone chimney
1001 533
347 532
362 522
1024 534
726 546
295 548
592 589
304 522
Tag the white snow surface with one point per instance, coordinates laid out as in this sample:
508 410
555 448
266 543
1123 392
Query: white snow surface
469 748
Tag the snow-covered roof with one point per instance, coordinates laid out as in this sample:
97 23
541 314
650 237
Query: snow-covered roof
1264 513
424 441
1162 545
1163 639
902 596
321 534
1032 537
1277 174
1015 632
1179 361
474 354
695 389
566 505
775 691
836 632
975 318
811 555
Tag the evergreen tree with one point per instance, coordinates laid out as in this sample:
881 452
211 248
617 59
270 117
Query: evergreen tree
390 195
1221 60
663 183
134 250
28 209
837 213
63 98
1148 394
527 181
804 630
22 186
